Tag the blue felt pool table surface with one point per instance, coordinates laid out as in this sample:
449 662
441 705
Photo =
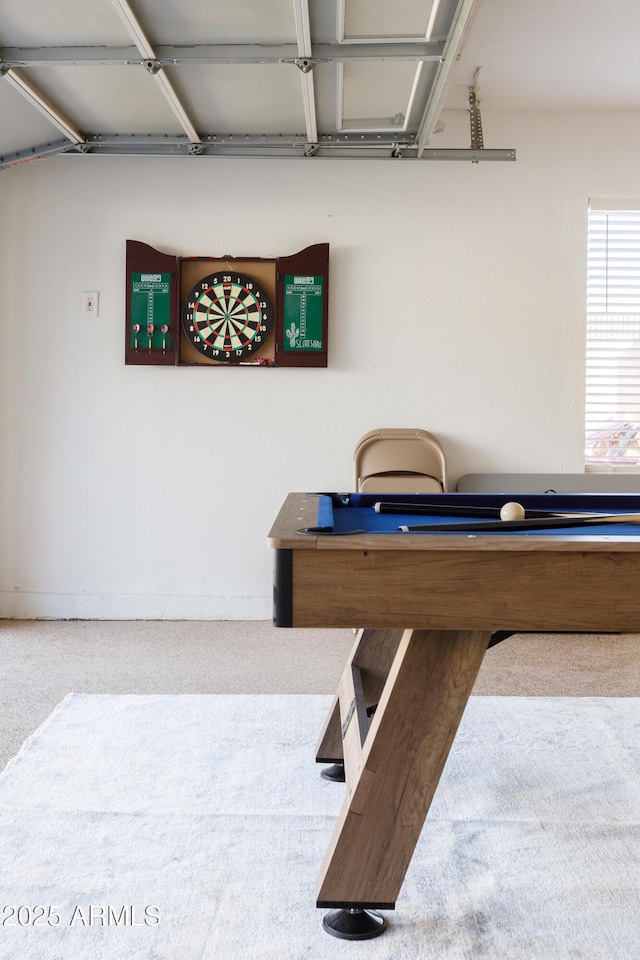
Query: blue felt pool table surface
343 513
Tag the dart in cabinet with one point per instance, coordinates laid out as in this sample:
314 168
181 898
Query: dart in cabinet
226 311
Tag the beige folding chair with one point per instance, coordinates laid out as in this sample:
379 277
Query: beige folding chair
400 461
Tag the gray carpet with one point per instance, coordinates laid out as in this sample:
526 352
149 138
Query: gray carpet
191 828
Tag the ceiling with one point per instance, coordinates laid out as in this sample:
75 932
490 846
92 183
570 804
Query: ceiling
300 78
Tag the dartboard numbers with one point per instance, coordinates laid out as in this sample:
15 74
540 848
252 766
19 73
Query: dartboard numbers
227 316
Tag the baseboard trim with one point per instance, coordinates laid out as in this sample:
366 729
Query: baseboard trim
15 605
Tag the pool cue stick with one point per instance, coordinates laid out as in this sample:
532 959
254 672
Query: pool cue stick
535 523
435 509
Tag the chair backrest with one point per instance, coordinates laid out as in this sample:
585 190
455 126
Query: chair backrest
400 461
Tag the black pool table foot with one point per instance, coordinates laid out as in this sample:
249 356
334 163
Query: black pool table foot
354 924
334 773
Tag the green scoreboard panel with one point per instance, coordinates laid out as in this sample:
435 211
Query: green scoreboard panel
303 300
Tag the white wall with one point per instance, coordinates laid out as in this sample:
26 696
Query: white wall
456 305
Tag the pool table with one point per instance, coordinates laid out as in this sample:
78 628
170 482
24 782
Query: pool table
428 605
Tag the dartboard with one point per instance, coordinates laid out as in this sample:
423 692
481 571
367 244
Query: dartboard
227 316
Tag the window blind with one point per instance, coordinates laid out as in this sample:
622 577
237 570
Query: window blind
612 420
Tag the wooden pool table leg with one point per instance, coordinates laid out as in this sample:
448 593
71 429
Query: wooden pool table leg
373 652
394 768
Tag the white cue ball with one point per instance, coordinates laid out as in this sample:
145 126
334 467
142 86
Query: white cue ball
512 511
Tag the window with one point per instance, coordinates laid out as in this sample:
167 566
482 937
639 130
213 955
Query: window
612 419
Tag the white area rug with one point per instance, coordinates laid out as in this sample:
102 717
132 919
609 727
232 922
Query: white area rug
192 828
